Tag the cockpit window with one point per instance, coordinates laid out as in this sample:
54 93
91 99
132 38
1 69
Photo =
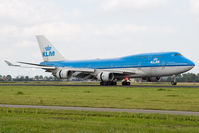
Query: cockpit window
178 55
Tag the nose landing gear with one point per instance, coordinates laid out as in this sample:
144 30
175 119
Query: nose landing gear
174 82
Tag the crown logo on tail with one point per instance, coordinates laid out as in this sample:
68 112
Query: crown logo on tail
48 52
48 48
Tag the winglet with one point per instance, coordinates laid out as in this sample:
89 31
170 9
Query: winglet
34 65
10 64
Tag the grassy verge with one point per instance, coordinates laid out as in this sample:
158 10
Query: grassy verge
62 121
114 97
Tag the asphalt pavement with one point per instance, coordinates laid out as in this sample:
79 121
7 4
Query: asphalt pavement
105 109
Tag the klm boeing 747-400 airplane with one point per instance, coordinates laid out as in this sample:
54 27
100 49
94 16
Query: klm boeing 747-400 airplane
149 67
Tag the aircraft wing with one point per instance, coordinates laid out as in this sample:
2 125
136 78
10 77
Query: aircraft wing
31 64
48 68
38 66
91 74
10 64
83 73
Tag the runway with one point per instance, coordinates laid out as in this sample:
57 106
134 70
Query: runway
105 109
62 85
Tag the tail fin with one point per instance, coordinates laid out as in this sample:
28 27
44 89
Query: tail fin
49 52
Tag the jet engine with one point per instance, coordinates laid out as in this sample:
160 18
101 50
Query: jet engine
151 79
64 74
105 76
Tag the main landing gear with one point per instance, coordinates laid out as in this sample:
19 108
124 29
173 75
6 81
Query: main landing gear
126 82
107 83
174 82
113 83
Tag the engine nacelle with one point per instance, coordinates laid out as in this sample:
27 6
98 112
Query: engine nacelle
64 74
105 76
151 79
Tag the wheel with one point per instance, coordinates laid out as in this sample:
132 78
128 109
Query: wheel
106 83
128 83
125 83
173 83
101 83
113 83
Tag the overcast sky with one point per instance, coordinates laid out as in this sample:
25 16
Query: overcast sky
89 29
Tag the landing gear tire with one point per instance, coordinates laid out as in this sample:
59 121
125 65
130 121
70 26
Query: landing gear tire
125 83
101 83
108 83
114 83
173 83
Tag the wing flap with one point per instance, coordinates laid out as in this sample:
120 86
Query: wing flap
125 72
85 70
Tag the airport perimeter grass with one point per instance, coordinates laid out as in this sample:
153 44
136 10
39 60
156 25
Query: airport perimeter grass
62 121
95 96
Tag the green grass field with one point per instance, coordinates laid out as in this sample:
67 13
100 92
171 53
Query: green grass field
62 121
114 97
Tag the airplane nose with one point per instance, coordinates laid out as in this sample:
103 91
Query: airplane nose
190 63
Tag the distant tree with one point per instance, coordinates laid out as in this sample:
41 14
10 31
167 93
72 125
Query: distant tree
180 78
36 77
51 78
168 79
189 77
41 77
197 77
27 78
9 78
46 78
4 77
16 79
22 78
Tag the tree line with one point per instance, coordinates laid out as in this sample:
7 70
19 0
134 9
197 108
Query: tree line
187 77
27 78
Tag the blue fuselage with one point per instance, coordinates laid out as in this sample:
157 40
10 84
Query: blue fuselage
166 59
